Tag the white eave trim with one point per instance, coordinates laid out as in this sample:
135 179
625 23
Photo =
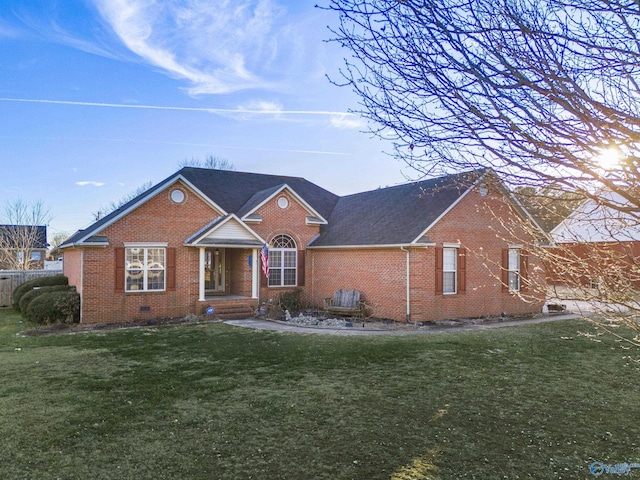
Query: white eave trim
312 220
391 245
300 200
252 218
146 244
84 244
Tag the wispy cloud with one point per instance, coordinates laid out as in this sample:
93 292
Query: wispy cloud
84 183
254 108
219 46
7 31
347 121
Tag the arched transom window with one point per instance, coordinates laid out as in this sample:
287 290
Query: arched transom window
283 262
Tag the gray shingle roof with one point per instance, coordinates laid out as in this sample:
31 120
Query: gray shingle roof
387 216
234 192
238 192
392 215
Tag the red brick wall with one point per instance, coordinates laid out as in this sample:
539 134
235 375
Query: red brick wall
484 226
72 267
380 274
578 264
157 220
238 272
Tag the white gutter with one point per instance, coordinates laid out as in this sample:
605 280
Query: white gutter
394 245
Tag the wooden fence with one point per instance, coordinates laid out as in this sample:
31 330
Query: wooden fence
10 279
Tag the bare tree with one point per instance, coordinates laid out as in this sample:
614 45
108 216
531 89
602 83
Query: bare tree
537 90
107 209
54 246
548 205
210 161
23 237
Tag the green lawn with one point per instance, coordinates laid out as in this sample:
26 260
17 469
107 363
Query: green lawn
211 401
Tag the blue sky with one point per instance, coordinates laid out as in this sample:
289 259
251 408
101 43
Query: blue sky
98 97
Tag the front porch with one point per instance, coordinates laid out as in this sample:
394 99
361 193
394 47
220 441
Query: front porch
229 262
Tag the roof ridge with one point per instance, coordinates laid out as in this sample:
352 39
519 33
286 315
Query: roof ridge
477 172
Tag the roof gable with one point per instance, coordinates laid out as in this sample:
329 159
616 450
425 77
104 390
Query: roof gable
82 237
265 196
228 231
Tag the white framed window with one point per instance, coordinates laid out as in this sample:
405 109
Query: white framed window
145 269
449 270
283 262
283 202
514 270
177 196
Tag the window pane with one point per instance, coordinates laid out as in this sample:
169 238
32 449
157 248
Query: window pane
514 259
290 259
449 259
283 241
134 255
134 279
155 280
290 276
156 257
514 281
449 282
275 277
275 258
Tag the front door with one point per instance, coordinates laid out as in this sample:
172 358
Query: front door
214 270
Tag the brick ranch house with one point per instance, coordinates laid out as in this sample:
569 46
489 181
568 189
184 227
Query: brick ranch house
433 249
597 246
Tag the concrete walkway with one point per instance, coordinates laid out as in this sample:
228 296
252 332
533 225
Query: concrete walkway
279 326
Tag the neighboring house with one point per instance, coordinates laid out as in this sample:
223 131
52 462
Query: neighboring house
422 251
596 242
23 247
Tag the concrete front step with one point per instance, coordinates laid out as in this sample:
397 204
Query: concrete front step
233 312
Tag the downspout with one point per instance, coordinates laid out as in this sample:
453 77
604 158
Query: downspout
408 316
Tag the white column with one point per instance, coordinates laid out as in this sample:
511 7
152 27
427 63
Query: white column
255 273
201 275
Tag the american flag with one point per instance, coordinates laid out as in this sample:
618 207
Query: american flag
264 255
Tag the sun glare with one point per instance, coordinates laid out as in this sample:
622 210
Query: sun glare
609 159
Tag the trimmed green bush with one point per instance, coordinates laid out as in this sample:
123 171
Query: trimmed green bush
54 307
36 292
47 281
